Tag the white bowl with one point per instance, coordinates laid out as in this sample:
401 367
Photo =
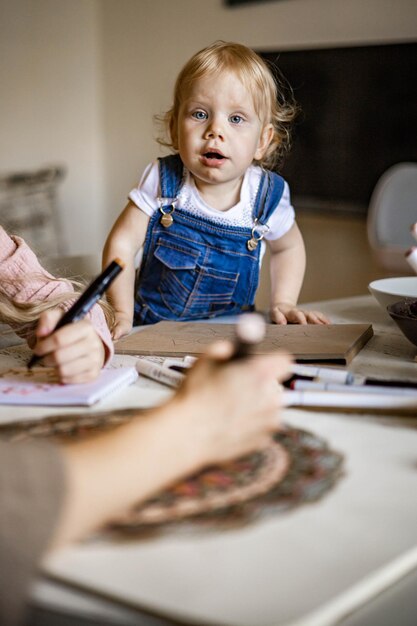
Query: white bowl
390 290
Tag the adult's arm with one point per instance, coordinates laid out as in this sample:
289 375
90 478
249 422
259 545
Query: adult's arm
31 495
222 411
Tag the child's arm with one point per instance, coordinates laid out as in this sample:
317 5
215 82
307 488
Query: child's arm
287 267
124 241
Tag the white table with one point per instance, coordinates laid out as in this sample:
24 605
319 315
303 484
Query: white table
314 565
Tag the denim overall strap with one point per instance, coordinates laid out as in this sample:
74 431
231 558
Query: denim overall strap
268 197
271 188
170 175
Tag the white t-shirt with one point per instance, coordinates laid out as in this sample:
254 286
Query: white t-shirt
146 197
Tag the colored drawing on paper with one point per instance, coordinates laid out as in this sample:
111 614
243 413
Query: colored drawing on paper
15 356
20 381
297 468
75 425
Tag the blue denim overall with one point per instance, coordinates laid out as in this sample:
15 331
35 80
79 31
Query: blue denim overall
196 268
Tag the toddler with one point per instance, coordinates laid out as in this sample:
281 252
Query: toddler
203 213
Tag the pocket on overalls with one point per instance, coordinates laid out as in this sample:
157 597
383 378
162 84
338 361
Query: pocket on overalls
188 289
178 274
215 292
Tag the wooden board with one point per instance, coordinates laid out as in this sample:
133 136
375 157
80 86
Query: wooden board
333 342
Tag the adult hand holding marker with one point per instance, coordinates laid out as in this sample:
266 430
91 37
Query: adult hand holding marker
87 300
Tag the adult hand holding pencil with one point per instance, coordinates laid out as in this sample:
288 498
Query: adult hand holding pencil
86 301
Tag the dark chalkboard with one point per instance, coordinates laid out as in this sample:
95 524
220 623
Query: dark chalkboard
359 117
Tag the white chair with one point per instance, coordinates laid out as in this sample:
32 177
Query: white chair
392 210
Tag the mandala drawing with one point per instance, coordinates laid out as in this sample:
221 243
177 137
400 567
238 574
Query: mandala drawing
237 492
215 488
296 468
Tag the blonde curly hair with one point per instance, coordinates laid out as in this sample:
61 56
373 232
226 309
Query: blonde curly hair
22 317
272 97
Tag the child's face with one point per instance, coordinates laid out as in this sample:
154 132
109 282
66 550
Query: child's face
219 133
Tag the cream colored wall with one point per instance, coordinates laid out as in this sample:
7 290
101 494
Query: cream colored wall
146 43
50 110
81 79
340 262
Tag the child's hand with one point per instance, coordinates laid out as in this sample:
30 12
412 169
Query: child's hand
283 313
122 326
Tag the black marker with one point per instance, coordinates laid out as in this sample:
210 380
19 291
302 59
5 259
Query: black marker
87 300
250 330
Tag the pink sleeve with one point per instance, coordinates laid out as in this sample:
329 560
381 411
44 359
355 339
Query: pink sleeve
98 320
34 284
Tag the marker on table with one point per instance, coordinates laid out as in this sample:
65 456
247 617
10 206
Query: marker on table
334 399
342 377
87 300
311 385
325 373
160 373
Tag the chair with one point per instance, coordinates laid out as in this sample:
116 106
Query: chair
29 208
392 210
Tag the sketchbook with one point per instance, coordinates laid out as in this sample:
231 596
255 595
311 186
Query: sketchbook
40 387
332 343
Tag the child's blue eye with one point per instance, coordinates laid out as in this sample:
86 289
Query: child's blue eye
200 115
236 119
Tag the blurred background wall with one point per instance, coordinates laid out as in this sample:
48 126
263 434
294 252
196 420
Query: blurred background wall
51 108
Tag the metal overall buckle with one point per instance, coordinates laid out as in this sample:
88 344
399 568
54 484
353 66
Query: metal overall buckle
166 220
256 237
